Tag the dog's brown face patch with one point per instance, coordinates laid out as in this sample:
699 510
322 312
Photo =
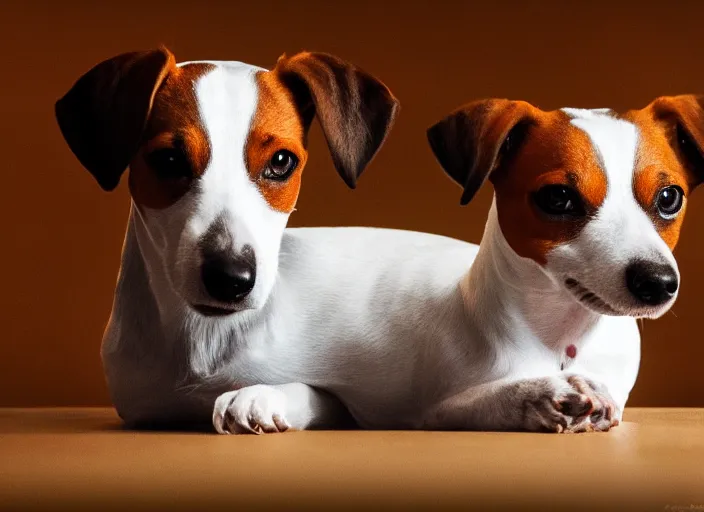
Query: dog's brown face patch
658 166
556 152
277 125
553 153
175 148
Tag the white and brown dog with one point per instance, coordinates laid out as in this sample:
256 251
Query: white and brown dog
215 151
587 208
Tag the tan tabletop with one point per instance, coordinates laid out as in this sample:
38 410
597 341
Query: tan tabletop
81 459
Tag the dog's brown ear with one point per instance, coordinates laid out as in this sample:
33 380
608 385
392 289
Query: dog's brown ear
103 115
473 140
355 110
685 116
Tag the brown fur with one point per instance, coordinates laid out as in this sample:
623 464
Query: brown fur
354 109
546 158
470 144
174 116
277 125
659 160
102 117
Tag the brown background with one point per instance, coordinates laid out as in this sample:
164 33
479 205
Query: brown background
62 235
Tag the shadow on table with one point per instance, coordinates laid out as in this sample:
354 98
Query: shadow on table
85 421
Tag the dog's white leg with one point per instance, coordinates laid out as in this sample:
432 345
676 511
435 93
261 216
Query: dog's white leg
548 404
265 409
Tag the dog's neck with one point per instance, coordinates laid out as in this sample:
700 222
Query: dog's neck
511 297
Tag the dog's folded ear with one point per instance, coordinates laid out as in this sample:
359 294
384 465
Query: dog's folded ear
355 110
685 117
474 140
103 116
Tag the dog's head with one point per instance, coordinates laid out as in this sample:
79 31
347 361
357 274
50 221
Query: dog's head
595 198
216 151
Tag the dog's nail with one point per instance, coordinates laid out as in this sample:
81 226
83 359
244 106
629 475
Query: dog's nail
280 423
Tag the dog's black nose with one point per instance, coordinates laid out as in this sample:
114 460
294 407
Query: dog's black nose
228 279
651 283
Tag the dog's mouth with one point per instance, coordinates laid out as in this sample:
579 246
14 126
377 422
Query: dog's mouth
590 299
212 310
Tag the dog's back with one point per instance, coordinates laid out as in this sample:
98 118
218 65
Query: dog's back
362 312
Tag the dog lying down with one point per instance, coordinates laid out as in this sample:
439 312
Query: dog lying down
222 313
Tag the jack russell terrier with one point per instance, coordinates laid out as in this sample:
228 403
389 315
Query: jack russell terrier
215 151
539 333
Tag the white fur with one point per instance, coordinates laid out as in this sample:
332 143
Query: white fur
402 328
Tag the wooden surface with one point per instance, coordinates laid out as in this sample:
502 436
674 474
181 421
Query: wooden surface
82 459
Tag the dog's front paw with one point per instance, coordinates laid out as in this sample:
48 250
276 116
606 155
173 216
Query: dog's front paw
567 404
552 404
252 410
604 413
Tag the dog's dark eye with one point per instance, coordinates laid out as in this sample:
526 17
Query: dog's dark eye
169 164
281 165
669 201
559 200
